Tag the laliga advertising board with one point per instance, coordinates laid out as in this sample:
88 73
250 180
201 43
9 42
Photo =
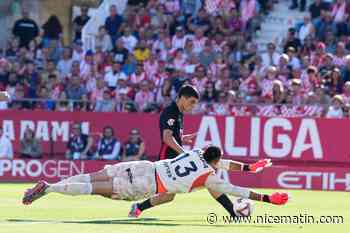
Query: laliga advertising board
286 140
315 178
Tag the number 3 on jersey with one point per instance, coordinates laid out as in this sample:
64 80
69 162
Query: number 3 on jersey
183 170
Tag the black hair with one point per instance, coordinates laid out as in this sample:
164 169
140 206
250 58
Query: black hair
52 27
108 127
212 153
188 91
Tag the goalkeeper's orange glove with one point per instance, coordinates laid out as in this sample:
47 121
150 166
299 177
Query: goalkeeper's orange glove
260 165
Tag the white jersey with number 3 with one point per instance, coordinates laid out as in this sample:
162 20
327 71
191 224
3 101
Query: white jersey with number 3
184 173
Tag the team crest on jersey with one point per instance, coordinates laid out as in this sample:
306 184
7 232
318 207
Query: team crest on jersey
171 122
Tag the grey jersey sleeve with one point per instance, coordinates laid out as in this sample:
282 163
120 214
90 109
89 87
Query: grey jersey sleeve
216 184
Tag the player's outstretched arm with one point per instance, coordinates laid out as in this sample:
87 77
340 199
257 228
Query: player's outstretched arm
232 165
276 198
219 185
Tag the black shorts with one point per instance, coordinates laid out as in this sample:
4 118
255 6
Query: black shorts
166 152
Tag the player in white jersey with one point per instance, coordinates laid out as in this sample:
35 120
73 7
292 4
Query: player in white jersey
143 179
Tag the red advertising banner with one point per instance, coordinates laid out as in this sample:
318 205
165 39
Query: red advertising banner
26 170
243 138
315 178
302 177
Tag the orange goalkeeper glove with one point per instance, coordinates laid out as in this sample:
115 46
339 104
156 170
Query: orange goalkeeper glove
260 165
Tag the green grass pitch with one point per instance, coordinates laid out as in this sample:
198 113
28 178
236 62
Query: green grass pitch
187 214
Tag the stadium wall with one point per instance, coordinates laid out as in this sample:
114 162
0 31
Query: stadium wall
309 153
285 177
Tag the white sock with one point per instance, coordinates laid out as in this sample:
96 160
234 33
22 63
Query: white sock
82 178
72 189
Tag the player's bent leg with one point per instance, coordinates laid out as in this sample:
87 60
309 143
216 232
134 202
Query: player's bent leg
81 178
100 176
162 198
38 191
42 188
214 194
223 200
71 189
137 208
103 188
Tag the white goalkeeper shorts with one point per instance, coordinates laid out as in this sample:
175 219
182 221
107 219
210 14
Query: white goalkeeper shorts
132 180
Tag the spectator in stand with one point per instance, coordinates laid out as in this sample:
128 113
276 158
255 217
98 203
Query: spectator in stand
30 146
125 104
144 96
75 90
271 57
248 13
87 66
179 39
107 104
296 92
335 110
316 8
12 48
210 93
74 71
190 7
292 40
221 107
159 43
346 93
200 21
325 24
45 103
141 52
31 79
134 148
129 40
332 82
295 5
79 144
6 150
109 147
103 40
63 104
4 73
345 73
50 69
306 29
55 86
120 52
294 61
78 51
113 23
52 31
278 92
112 77
25 29
80 21
65 63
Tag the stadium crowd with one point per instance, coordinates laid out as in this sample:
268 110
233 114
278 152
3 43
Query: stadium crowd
99 146
141 59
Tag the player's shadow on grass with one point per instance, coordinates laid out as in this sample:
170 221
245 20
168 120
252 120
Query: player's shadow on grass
139 221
